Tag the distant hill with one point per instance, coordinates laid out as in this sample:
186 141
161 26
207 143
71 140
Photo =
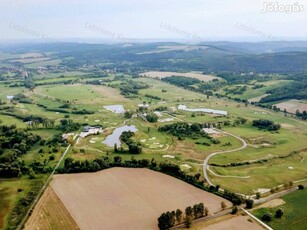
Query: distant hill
264 57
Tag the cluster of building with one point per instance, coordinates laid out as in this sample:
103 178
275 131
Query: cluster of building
91 130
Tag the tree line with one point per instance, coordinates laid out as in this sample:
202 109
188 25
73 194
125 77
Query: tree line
170 219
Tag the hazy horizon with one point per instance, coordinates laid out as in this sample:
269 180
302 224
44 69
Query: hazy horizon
171 20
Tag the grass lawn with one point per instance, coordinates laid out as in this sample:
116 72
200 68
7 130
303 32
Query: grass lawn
295 214
8 120
11 190
172 92
265 175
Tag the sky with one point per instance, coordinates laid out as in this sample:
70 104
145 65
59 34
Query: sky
127 20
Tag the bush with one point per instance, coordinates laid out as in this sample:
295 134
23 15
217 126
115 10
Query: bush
234 210
249 204
51 158
258 195
301 187
266 217
279 213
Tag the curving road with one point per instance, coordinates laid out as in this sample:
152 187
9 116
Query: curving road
205 164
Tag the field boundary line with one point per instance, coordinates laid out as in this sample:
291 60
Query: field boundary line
22 223
259 221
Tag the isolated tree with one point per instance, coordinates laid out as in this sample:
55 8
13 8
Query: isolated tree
279 213
179 215
266 217
234 209
301 187
249 204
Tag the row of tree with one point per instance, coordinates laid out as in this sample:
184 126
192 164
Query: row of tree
170 219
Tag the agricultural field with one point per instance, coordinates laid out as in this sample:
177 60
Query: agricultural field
292 106
239 221
113 197
294 208
50 213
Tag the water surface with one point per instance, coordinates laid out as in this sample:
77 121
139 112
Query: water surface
114 137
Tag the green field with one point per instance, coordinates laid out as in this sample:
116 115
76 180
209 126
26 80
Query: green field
294 212
47 100
44 63
11 190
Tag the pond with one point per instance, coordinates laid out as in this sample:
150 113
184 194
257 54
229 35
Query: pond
184 107
115 108
114 137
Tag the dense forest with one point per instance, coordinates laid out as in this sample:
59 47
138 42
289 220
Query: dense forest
13 144
292 90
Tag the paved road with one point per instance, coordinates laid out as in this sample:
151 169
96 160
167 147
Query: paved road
205 164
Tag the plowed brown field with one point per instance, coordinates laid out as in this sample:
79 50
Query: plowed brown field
122 198
50 213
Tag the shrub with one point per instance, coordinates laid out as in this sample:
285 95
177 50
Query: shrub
266 217
249 204
279 213
234 210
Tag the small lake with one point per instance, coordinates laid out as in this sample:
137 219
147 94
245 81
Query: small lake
114 137
115 108
184 107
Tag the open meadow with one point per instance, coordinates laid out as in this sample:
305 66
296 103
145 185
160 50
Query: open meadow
294 209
